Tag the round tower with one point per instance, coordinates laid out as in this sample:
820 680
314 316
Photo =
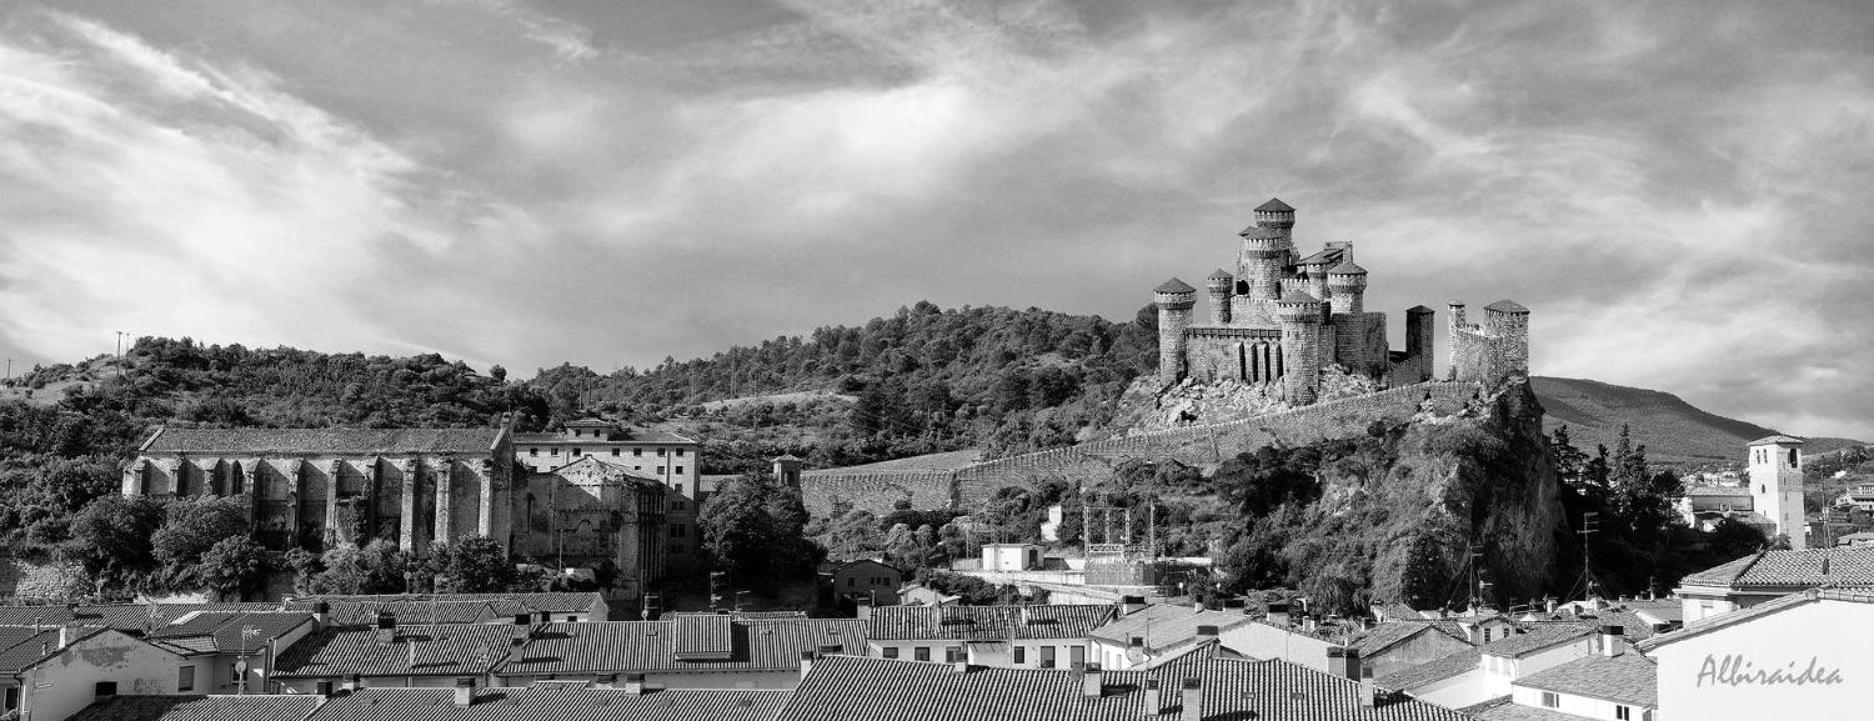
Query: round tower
1174 300
1300 316
1776 486
1507 323
1220 284
1263 259
1347 285
1277 216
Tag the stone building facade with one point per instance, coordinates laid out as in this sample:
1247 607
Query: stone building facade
1281 318
667 459
315 488
591 511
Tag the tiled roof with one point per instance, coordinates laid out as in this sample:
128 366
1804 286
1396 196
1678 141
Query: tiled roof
1770 440
1257 231
1502 709
1507 306
985 623
1323 257
1174 286
550 602
1274 205
628 435
704 638
1724 620
1396 612
623 646
232 632
22 647
323 440
558 704
1717 491
1164 625
1848 566
446 650
260 707
1383 636
1346 267
348 613
846 687
1543 636
1413 677
133 617
1221 274
1628 678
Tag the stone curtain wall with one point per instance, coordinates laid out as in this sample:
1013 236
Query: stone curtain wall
968 487
40 580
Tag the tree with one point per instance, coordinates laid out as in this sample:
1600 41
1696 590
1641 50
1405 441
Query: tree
854 535
477 564
343 571
234 567
305 566
753 527
193 527
111 539
901 547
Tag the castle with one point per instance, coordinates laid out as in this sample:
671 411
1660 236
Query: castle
1281 319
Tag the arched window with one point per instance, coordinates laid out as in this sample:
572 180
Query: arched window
1792 457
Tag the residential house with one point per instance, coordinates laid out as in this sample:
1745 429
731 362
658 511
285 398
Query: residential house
49 674
1476 675
1397 645
863 580
1770 574
1195 685
1802 656
1623 686
1157 631
559 701
396 655
196 707
1008 636
231 652
1011 556
500 608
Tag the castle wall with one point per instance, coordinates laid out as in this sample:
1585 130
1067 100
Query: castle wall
1359 343
875 491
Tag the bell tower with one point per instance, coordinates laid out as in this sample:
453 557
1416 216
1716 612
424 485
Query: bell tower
1776 486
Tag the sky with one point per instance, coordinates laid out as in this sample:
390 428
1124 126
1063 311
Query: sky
1679 191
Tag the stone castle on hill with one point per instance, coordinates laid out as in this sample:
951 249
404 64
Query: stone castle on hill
1281 318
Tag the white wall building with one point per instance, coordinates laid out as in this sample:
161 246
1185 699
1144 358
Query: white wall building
1804 656
1776 486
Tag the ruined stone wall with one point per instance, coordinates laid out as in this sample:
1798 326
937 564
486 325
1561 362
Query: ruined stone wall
46 579
875 491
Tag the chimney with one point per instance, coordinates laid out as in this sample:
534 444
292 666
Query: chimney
1369 691
464 692
1344 662
1206 634
1613 640
806 663
67 635
518 635
1153 704
863 609
1235 605
324 689
1136 642
634 683
1549 604
1090 681
1129 605
963 659
1278 614
1191 701
523 619
386 627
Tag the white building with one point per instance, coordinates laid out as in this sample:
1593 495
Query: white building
1769 575
1615 684
1776 486
1803 656
1489 672
1011 556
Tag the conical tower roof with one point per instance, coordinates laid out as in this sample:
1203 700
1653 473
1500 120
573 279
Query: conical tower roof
1275 205
1221 273
1174 286
1346 268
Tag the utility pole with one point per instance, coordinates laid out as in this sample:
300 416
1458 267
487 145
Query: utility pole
1590 525
120 351
9 369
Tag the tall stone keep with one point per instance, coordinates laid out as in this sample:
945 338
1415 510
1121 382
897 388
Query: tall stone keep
1220 286
1776 486
1174 300
1300 315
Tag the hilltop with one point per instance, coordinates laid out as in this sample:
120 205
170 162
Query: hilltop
1675 432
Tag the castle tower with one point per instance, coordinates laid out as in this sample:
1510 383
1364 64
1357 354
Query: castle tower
1347 285
1221 283
1456 332
1277 216
1300 316
1776 486
1263 259
1507 322
1174 300
1421 335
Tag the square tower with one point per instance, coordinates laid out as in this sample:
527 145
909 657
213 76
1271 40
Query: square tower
1776 486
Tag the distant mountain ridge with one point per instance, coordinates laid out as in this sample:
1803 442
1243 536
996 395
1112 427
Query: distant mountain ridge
1675 432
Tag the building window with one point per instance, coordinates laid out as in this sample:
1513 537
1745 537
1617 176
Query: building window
1550 699
637 451
677 505
889 651
105 688
1021 655
679 453
679 470
185 679
553 451
1047 657
614 452
952 654
575 451
533 451
660 470
1623 713
921 653
13 698
660 453
679 486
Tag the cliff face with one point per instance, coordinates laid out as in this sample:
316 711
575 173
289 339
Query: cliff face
1402 524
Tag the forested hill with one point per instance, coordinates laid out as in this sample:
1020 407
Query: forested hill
925 379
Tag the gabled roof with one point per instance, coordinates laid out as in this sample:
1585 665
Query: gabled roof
631 436
1174 286
350 441
1419 310
1324 257
232 632
1777 440
985 623
549 601
1629 678
556 702
1165 625
1412 677
23 647
1502 708
1507 306
1386 635
1847 566
1540 638
452 650
1726 620
1716 491
257 707
749 644
1274 205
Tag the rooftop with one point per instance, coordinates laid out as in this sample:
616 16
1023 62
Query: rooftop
1165 625
1174 286
1726 620
633 435
231 632
259 707
1542 637
1413 677
256 441
692 643
556 702
845 687
1774 440
1502 709
443 650
1347 267
1387 634
1507 306
1628 678
1274 205
1849 566
962 623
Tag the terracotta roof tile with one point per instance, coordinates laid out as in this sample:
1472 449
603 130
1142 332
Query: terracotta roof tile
278 707
451 650
1274 205
1769 440
1847 566
1165 625
1174 286
985 623
624 646
558 703
1542 637
233 632
1628 678
324 440
1413 677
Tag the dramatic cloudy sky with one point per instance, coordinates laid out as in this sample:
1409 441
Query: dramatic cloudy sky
1680 191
